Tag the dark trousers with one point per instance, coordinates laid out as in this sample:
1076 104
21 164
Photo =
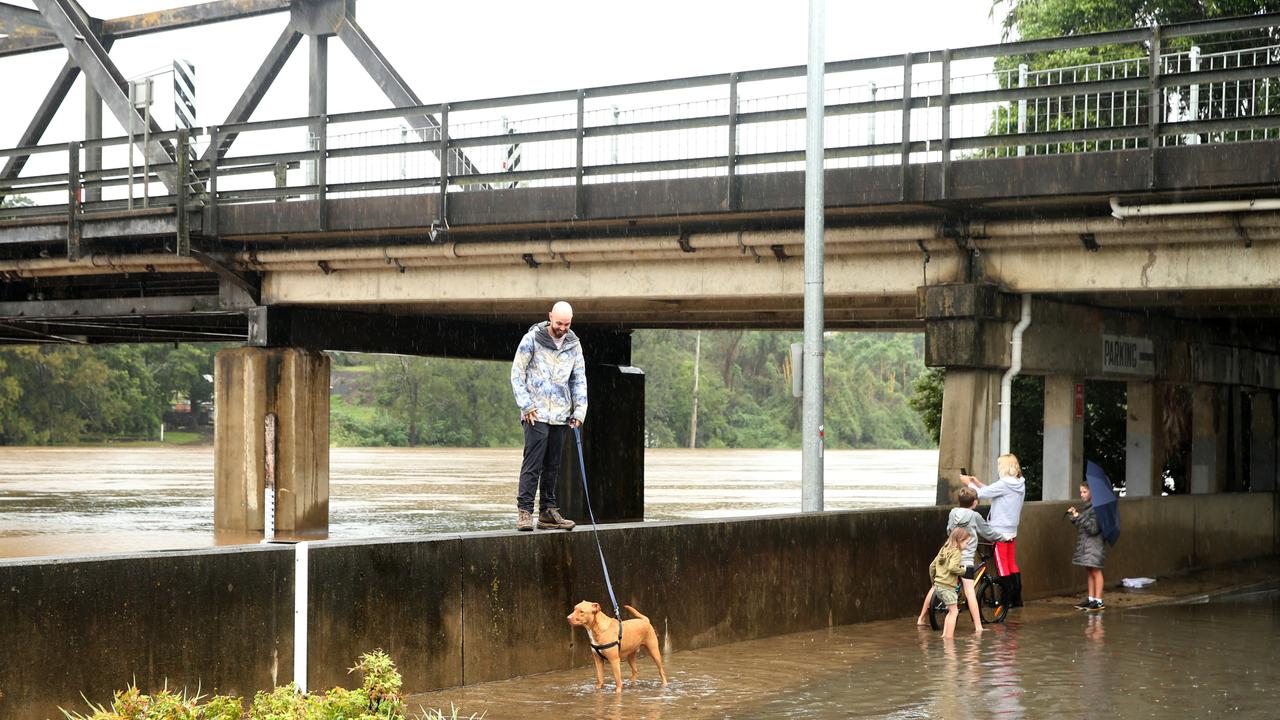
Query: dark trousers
543 444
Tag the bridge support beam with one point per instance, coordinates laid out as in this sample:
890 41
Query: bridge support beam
292 384
1063 464
612 446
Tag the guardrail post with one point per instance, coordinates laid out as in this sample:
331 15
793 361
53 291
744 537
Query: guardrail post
731 165
946 120
322 152
1155 105
215 138
906 121
73 201
183 191
578 210
443 220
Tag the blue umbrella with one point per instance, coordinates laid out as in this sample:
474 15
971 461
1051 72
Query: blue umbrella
1104 502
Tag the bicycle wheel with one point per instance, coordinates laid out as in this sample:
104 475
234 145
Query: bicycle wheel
937 612
991 603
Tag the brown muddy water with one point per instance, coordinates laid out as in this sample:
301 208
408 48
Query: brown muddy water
73 501
1205 660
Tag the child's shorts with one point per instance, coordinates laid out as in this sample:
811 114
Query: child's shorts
946 594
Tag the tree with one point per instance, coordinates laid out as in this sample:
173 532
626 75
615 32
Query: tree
1036 19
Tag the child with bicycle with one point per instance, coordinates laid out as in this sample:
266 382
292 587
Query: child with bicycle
966 518
945 569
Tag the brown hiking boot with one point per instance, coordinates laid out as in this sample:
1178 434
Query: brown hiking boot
524 520
550 519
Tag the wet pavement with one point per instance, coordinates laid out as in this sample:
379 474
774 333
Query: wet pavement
1170 651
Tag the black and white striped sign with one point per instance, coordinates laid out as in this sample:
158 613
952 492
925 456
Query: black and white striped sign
184 94
513 158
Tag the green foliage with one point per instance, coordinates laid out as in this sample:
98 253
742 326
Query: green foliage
926 400
378 698
56 394
132 704
744 393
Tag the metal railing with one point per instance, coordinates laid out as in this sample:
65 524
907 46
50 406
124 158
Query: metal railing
928 107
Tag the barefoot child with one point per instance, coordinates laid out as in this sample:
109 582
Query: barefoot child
945 570
1090 551
964 516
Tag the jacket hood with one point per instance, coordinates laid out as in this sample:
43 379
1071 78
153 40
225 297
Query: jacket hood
542 336
1017 484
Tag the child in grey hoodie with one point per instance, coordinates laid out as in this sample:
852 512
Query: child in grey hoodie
965 517
1006 495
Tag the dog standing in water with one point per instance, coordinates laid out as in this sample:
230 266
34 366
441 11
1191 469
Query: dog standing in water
605 644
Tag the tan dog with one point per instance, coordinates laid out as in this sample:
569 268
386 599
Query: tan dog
603 633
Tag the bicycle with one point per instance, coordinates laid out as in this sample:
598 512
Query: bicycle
991 605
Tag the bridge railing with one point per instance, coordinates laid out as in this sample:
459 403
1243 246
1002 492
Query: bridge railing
1213 81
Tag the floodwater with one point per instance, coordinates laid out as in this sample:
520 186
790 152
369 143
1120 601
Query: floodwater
1207 660
72 501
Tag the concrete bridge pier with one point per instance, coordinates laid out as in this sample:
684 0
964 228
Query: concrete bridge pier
1144 433
251 383
1063 459
967 331
612 447
1210 441
970 428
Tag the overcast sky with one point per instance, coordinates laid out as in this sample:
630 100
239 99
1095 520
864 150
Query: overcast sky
462 50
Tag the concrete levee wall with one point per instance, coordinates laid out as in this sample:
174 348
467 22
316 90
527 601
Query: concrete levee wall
217 620
463 609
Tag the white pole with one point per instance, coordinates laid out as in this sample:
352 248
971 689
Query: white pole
814 217
693 416
1193 104
1022 107
269 481
133 109
300 564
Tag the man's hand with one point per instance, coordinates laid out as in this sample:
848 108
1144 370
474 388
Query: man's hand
575 423
530 417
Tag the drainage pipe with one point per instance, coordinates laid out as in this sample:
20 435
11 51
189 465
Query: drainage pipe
1213 206
1015 367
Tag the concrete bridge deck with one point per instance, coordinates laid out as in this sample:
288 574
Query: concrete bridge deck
930 181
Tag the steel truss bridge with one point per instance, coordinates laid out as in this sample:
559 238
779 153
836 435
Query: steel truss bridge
678 199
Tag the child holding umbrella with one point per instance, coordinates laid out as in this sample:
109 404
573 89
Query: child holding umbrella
1090 551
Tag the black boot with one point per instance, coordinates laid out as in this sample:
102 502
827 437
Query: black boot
1014 589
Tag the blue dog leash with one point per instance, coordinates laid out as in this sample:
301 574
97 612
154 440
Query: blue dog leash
595 531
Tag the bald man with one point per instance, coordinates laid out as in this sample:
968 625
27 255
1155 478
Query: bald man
549 380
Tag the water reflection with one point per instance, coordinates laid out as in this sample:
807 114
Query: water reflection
1186 661
79 500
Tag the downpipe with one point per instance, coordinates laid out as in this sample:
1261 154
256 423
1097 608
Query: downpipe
1015 367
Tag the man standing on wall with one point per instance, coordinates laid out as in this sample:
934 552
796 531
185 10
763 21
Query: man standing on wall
548 377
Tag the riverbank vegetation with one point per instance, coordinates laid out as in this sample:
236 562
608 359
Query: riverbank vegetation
63 394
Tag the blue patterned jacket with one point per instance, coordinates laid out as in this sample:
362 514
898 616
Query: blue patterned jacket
549 379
